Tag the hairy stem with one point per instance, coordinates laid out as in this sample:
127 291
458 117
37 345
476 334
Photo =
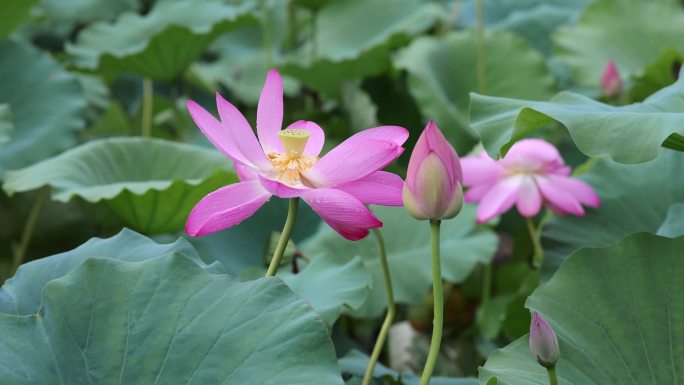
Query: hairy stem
284 237
20 251
147 105
553 379
437 294
538 256
391 309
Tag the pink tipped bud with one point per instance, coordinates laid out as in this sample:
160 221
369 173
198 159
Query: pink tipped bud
543 341
433 187
611 84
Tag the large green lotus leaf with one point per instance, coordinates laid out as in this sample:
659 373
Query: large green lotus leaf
159 45
630 32
166 321
443 70
20 295
331 287
47 105
534 20
13 13
659 74
618 313
72 11
356 362
6 125
151 184
463 244
634 198
673 225
347 50
628 134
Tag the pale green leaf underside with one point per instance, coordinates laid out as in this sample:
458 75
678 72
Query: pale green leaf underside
160 45
618 315
151 184
634 198
166 321
47 105
443 71
628 134
463 246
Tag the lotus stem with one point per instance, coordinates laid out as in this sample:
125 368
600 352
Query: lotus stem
551 371
437 294
147 106
481 50
27 233
284 237
391 309
538 256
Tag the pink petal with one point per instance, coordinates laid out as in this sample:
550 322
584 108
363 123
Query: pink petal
226 207
243 136
379 188
270 112
217 134
431 139
533 155
352 160
577 188
560 199
476 193
499 199
281 190
316 140
244 173
395 134
344 213
480 169
529 198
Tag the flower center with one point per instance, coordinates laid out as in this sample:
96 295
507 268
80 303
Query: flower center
293 161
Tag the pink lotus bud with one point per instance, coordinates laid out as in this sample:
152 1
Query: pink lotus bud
611 84
433 187
543 341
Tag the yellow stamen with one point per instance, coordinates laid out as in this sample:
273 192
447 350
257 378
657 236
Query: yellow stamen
293 161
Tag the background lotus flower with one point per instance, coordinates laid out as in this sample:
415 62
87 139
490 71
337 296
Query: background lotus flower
611 83
532 172
543 341
433 187
285 163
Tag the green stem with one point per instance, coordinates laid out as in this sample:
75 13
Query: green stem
314 38
538 256
551 371
481 52
266 33
20 252
391 310
147 105
437 294
486 284
284 237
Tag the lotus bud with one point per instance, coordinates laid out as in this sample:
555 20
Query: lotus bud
543 342
611 84
433 188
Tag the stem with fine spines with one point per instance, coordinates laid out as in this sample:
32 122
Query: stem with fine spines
551 371
147 105
391 309
437 294
20 252
538 256
284 237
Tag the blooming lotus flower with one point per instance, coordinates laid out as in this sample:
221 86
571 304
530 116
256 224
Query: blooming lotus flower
532 173
433 180
543 341
286 163
611 84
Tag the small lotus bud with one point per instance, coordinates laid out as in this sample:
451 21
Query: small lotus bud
433 188
611 84
543 341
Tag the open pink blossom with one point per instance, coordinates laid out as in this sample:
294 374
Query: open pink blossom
286 163
532 173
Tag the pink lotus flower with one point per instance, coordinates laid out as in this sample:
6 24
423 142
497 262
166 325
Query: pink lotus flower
611 84
543 341
285 163
532 172
433 187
